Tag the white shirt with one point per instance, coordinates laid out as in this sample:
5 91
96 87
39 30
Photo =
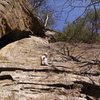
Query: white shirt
44 60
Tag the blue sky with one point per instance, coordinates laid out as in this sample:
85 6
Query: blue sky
61 13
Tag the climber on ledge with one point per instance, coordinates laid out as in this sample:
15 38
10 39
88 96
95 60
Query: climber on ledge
44 59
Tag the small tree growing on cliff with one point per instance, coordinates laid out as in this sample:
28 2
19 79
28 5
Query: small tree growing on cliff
44 12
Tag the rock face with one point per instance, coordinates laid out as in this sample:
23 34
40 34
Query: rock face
16 16
23 78
74 70
51 35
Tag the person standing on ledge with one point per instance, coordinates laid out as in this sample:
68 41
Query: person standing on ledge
44 59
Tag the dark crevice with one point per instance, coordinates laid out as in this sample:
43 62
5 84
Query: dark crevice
61 86
86 88
44 89
36 70
4 77
14 36
90 89
48 70
58 85
14 69
93 74
51 70
2 4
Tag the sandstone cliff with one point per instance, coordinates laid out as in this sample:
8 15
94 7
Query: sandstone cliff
16 16
73 74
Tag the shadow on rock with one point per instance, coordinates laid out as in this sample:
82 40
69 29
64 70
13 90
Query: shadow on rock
14 36
90 89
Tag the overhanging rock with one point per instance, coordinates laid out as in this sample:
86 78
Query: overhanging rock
18 16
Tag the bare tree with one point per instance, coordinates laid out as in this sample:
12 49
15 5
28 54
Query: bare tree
37 3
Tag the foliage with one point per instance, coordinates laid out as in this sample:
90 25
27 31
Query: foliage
85 29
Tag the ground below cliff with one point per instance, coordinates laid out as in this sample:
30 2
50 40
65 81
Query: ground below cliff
74 73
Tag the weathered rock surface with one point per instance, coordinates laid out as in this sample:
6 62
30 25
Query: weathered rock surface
16 16
23 78
74 71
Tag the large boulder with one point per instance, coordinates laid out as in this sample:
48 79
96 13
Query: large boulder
17 16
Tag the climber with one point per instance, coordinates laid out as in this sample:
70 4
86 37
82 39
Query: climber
44 59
